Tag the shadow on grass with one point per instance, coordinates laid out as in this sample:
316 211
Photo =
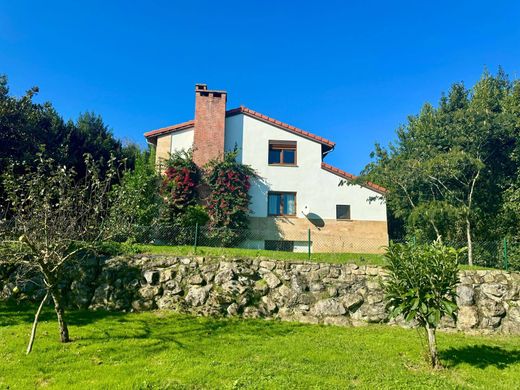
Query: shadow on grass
159 329
481 356
13 313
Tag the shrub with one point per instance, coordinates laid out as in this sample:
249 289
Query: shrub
135 201
179 185
228 202
421 286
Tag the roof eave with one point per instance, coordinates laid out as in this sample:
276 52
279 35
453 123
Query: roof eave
169 129
281 125
349 176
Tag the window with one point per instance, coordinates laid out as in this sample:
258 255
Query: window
281 203
282 153
342 211
286 246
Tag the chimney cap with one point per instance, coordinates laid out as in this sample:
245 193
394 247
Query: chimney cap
204 88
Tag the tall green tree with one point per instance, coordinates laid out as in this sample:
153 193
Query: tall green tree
450 167
28 128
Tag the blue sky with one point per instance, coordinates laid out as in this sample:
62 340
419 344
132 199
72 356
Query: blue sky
350 71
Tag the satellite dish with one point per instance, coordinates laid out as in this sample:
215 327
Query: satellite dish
306 210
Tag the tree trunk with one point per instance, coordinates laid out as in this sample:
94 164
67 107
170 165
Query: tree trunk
64 330
468 222
437 233
432 346
470 242
35 324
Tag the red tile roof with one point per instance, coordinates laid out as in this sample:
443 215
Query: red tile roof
350 176
285 126
169 129
252 113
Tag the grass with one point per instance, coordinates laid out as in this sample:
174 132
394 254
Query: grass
166 350
334 258
337 258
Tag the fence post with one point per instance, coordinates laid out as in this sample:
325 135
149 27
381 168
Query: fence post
506 265
196 236
309 242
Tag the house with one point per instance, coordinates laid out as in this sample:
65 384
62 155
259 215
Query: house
298 194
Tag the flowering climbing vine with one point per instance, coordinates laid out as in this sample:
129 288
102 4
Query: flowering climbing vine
228 202
216 195
179 185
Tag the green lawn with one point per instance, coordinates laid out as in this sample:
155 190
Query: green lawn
336 258
357 258
165 350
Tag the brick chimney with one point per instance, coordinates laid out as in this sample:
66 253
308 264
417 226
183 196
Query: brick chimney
210 122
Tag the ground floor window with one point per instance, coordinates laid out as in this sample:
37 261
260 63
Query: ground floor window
273 245
281 203
342 211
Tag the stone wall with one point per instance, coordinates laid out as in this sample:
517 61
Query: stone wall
295 291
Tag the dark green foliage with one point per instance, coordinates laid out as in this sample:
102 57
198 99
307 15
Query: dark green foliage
195 215
217 196
28 128
135 201
453 172
91 136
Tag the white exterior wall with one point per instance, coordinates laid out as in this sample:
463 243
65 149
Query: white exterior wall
182 140
313 185
234 134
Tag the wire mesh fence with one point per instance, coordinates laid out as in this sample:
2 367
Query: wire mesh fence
307 243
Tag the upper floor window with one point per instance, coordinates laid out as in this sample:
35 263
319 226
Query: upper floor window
342 211
282 152
281 203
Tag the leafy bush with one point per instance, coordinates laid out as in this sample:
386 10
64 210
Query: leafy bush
195 215
228 202
421 286
136 201
179 185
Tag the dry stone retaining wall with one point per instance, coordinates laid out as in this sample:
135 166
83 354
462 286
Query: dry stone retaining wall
344 294
297 291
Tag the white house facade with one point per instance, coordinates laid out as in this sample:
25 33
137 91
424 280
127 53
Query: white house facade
296 192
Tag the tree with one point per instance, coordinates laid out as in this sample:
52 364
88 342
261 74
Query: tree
421 285
453 177
90 135
449 168
56 221
28 128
